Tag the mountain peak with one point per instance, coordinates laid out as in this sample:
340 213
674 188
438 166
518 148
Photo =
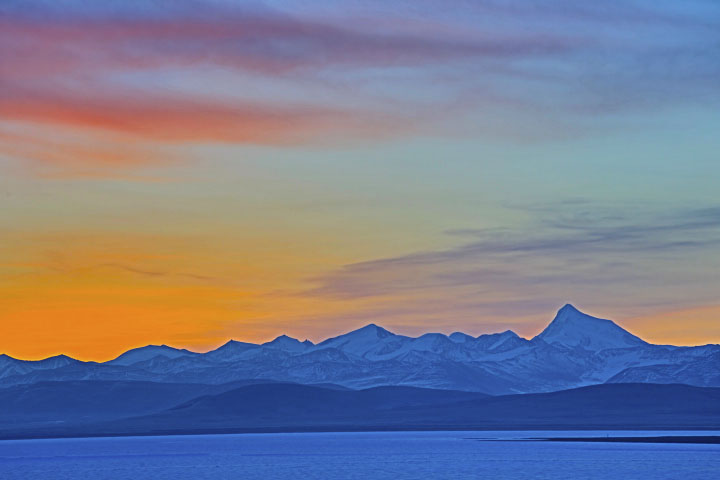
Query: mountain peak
229 350
508 334
369 331
372 329
359 341
61 356
284 342
6 358
460 337
573 328
234 345
147 352
568 308
283 338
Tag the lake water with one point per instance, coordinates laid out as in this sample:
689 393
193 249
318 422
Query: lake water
387 455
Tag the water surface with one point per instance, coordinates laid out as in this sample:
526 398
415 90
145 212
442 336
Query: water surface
383 455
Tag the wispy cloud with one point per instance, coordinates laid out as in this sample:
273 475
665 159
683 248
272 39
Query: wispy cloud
158 273
61 70
642 258
493 67
143 271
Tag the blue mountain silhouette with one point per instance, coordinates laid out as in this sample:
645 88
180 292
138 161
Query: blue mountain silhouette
574 350
579 371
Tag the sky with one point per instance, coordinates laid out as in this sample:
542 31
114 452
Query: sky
186 172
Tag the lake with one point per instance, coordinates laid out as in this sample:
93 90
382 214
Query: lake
374 455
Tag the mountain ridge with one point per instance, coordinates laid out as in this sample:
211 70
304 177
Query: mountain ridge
574 350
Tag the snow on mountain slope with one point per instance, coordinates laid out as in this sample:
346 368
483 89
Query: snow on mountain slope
54 362
702 372
500 342
358 342
460 337
574 350
229 351
572 328
10 366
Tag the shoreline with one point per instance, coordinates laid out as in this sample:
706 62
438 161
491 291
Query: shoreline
679 439
697 439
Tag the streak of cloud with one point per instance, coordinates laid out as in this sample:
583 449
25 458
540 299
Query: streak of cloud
493 68
641 259
158 273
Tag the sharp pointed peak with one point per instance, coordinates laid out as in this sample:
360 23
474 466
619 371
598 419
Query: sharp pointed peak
574 328
283 339
371 327
509 333
59 356
364 335
569 307
569 312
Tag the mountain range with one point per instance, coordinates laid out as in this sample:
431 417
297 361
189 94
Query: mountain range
574 350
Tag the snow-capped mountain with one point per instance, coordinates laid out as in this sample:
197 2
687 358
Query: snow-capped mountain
572 328
574 350
369 340
10 366
231 350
